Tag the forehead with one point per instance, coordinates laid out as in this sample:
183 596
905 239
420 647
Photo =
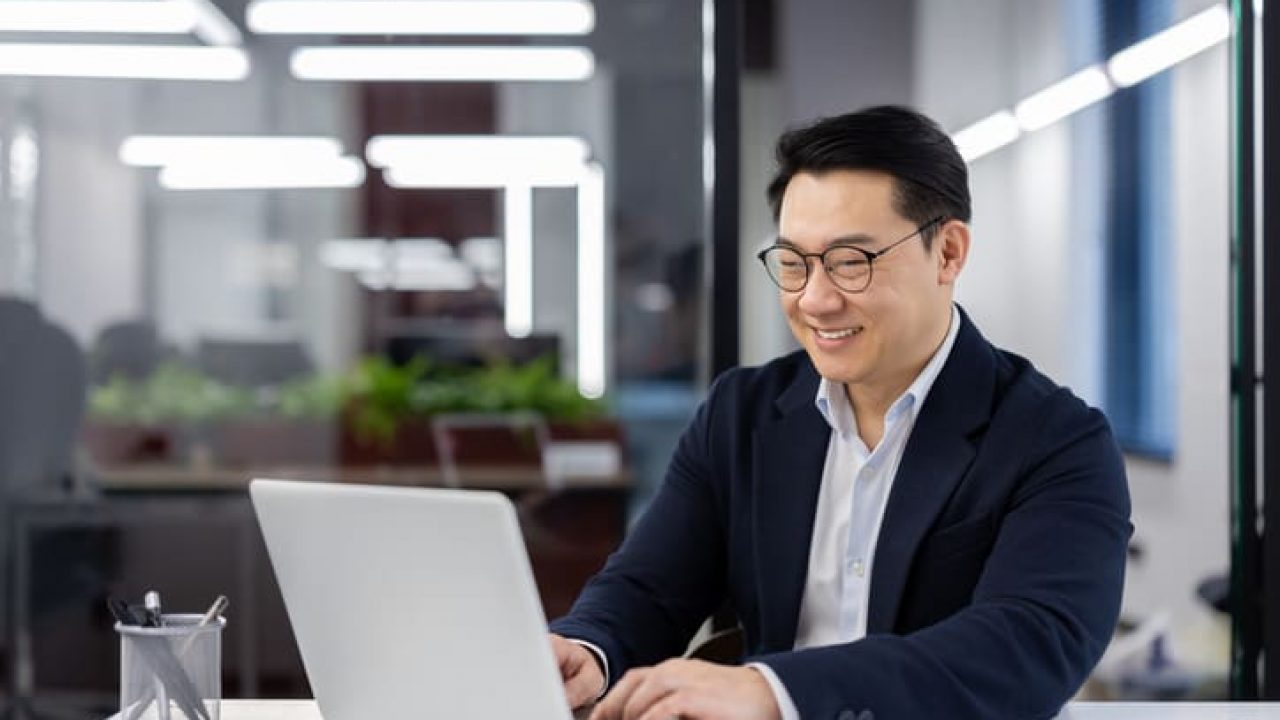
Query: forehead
817 207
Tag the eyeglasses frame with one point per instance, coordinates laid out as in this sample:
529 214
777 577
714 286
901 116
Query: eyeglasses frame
871 256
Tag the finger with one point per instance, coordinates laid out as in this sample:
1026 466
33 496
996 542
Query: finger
610 708
682 705
690 704
664 680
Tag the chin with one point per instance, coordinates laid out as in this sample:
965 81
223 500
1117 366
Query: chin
834 370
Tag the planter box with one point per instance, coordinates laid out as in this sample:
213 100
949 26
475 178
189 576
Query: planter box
112 443
265 442
413 445
498 440
524 442
599 429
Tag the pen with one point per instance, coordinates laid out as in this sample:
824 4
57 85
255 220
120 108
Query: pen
215 610
151 602
213 613
121 611
155 618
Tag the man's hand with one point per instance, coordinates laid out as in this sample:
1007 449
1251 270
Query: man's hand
583 680
691 690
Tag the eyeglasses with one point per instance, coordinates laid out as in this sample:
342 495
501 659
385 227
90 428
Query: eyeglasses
848 267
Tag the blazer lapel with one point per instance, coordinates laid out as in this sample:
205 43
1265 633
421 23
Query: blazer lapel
937 455
788 457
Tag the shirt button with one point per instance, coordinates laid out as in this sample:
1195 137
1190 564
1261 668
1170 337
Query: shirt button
858 568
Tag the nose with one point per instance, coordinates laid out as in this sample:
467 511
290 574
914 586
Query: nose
820 296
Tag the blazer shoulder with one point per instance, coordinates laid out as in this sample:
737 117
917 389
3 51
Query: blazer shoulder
755 390
1048 412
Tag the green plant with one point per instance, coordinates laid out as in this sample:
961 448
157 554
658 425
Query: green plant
534 387
117 400
381 396
179 392
316 397
173 393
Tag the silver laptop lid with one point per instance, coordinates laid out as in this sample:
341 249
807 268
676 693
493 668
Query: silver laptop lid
410 602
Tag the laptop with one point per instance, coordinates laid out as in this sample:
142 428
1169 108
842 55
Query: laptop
410 602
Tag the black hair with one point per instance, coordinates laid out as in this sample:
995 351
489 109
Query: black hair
931 178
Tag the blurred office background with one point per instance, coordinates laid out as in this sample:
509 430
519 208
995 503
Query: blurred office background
274 238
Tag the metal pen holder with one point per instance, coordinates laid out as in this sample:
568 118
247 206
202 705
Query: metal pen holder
171 672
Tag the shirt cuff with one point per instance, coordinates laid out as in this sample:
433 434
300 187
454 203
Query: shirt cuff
786 706
603 661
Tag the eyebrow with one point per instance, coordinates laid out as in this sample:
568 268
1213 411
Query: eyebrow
857 239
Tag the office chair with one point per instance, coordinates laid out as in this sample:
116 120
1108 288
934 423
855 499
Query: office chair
253 362
43 380
129 349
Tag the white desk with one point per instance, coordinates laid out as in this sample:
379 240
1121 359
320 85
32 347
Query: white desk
306 710
1170 711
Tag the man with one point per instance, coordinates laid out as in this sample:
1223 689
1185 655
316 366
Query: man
908 521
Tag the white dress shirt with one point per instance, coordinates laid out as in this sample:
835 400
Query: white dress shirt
856 481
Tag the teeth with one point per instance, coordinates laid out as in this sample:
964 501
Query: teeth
834 335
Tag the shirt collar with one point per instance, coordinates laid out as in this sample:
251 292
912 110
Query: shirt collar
833 404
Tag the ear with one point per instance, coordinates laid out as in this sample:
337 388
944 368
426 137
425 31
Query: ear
952 242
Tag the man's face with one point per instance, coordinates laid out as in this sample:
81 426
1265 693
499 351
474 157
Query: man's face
880 338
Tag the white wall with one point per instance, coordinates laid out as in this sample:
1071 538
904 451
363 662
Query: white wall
1029 233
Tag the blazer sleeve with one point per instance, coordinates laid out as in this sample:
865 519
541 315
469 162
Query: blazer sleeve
669 574
1041 614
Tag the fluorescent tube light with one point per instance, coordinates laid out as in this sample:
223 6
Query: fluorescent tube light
484 255
355 254
592 273
157 62
372 255
462 64
444 276
987 135
460 150
427 176
415 253
342 172
517 300
211 25
421 17
160 150
96 16
1170 47
478 161
1126 68
1063 98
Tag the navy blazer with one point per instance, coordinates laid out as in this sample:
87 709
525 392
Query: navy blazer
998 571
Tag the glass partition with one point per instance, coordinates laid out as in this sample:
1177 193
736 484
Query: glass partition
309 240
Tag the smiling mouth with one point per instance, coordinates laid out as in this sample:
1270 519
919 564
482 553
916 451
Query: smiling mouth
836 334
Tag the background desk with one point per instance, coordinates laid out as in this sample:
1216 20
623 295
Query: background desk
306 710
